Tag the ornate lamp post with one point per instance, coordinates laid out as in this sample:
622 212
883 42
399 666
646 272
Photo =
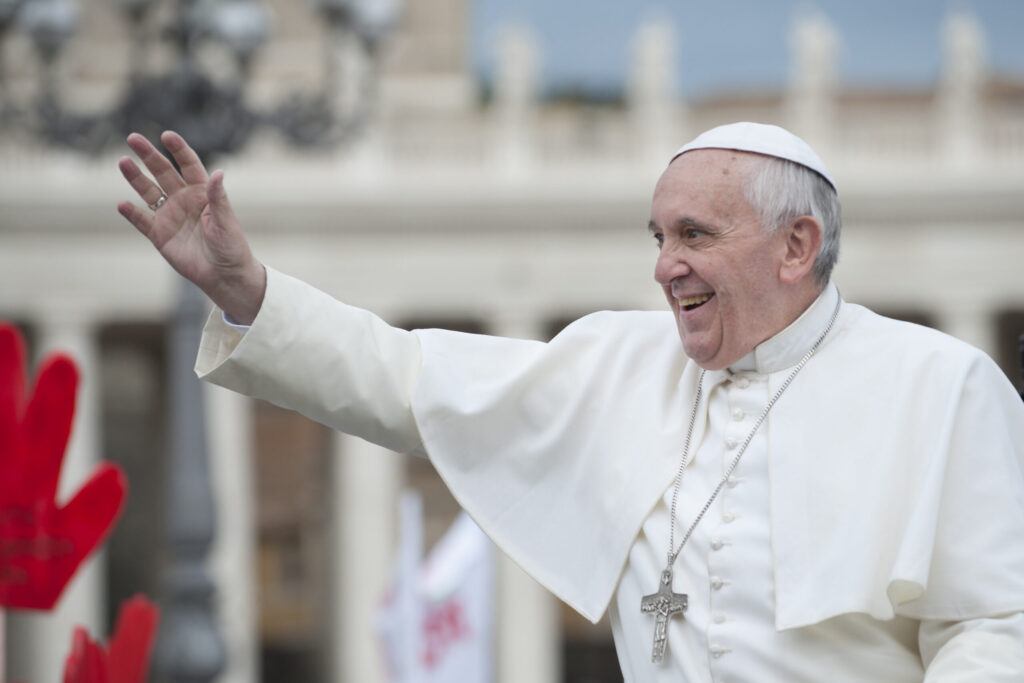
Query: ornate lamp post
211 113
189 649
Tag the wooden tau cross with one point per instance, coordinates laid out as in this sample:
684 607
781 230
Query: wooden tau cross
664 604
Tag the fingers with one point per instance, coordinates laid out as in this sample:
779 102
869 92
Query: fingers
92 511
161 168
47 424
149 191
192 169
217 197
142 221
134 632
12 390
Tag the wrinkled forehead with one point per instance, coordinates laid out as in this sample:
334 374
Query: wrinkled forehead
709 168
705 184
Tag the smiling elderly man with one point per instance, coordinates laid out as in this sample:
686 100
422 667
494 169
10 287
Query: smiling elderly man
803 491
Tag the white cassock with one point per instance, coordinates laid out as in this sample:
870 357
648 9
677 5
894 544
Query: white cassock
874 528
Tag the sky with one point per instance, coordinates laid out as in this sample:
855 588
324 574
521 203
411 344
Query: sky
732 45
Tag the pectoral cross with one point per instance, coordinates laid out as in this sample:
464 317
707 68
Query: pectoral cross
664 604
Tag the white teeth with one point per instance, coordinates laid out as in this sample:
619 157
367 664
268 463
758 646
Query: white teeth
693 300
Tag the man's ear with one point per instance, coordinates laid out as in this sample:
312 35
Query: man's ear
803 237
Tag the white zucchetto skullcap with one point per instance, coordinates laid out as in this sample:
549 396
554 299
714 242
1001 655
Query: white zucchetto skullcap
760 138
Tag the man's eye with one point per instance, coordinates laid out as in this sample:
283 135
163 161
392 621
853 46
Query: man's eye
694 233
659 239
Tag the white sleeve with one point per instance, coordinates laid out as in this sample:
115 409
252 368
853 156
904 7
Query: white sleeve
985 650
339 365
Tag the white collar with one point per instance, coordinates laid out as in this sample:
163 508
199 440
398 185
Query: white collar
786 348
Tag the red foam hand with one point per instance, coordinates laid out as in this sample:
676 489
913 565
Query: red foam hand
87 662
41 544
129 649
126 658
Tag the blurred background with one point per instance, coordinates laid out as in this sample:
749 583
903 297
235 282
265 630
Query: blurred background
482 165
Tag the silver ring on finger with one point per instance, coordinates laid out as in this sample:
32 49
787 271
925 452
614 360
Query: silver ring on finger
158 203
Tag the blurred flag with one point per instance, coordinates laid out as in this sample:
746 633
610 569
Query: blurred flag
437 621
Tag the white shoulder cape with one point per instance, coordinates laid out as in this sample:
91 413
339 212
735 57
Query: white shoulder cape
896 457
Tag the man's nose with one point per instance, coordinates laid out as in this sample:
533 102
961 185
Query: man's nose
671 264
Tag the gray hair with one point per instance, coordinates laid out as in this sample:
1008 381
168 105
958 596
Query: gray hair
781 190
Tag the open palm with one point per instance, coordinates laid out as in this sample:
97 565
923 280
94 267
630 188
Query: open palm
192 224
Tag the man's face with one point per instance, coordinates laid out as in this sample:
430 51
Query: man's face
718 268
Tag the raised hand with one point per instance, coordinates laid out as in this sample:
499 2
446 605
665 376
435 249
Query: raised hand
41 543
192 224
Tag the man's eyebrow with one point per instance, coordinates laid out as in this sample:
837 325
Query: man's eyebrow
684 222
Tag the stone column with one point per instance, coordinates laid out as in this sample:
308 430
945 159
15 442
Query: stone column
232 555
810 100
364 495
515 94
529 637
963 76
654 111
971 323
39 641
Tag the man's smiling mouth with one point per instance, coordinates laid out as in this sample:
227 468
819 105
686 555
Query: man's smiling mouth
691 302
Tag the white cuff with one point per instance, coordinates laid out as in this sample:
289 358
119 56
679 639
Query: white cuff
228 321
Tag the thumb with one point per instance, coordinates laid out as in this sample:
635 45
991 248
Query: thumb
217 197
